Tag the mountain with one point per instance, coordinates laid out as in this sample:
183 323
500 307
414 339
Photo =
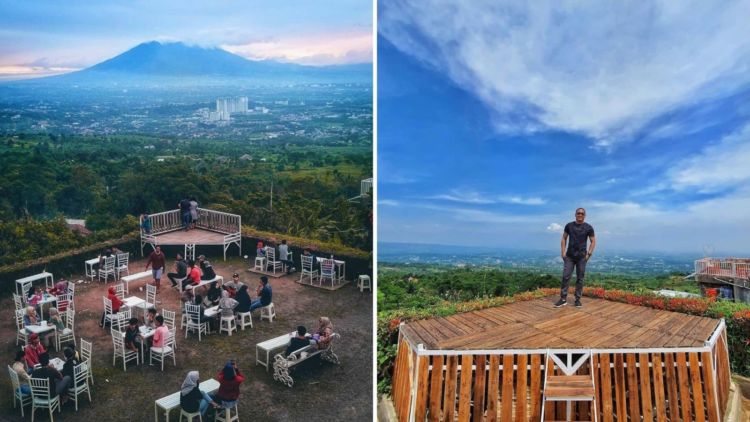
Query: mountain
156 61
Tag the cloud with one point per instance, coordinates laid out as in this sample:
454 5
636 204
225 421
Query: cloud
388 202
471 197
555 228
600 69
721 166
354 46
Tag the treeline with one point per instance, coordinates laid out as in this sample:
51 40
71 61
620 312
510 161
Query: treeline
110 181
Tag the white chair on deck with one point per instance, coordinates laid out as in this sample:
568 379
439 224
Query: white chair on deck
18 396
68 333
120 350
86 348
307 269
108 269
80 383
161 353
122 264
271 260
42 398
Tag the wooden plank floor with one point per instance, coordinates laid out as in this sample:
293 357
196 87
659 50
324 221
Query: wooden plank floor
195 236
536 324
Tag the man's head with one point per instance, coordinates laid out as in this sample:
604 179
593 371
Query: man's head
306 251
20 355
34 339
264 280
152 312
44 359
283 241
157 249
236 277
201 258
179 256
580 215
159 320
133 322
301 330
191 263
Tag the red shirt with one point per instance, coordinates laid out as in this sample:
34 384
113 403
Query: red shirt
160 335
195 275
156 261
229 390
32 354
116 302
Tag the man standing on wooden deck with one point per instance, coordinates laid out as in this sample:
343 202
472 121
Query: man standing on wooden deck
577 255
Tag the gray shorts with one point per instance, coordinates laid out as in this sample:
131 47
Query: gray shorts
157 273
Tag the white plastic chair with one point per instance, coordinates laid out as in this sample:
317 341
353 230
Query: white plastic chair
307 269
72 289
41 397
120 290
80 382
271 260
328 271
18 301
363 282
108 314
161 353
86 348
228 324
244 319
18 396
68 333
64 302
108 269
193 320
127 355
22 335
268 312
122 263
189 417
169 318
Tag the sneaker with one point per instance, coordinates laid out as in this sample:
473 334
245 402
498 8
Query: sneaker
578 304
560 303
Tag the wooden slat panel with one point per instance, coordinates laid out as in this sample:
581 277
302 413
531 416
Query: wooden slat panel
464 398
436 388
645 381
695 380
709 387
620 401
479 382
449 399
671 382
401 378
634 403
507 410
493 383
535 387
658 384
605 377
560 407
683 381
521 387
549 408
420 407
597 387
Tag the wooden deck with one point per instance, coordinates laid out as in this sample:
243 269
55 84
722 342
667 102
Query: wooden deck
536 324
195 236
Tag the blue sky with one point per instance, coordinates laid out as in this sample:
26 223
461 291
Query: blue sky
496 120
46 37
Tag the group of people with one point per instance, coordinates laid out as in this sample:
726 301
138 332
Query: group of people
33 361
193 400
188 212
321 337
153 321
283 256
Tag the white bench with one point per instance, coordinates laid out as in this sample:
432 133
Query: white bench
172 401
270 345
283 365
24 283
135 277
218 278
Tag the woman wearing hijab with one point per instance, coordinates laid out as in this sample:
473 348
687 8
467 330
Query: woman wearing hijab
54 319
192 399
116 303
226 304
243 300
324 332
229 379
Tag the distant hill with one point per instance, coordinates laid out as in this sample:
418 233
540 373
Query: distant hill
156 61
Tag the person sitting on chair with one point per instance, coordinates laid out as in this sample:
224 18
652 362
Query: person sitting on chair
116 304
131 336
58 385
323 335
192 399
265 294
181 268
23 371
299 341
33 350
206 268
194 275
283 257
229 379
243 300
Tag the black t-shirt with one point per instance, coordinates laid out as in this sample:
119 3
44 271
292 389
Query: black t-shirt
130 335
51 374
296 343
578 235
181 268
191 401
208 271
185 205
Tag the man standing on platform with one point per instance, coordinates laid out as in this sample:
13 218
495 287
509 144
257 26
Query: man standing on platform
157 261
576 235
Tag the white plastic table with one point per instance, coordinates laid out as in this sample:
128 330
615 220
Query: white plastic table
21 283
57 363
89 267
132 302
43 327
172 401
340 268
135 277
218 278
269 345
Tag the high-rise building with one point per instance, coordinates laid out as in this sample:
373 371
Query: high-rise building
232 105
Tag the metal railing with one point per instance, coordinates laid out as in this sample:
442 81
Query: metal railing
365 186
727 267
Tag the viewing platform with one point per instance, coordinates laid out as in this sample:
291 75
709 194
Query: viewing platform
732 273
529 361
211 228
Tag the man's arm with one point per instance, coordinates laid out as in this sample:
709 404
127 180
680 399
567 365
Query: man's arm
590 252
563 241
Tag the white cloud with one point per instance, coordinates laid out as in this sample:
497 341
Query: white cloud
602 69
555 228
388 202
718 167
472 197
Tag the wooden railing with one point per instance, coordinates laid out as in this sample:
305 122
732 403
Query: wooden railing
728 267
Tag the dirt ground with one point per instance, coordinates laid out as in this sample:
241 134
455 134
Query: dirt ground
744 386
322 391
